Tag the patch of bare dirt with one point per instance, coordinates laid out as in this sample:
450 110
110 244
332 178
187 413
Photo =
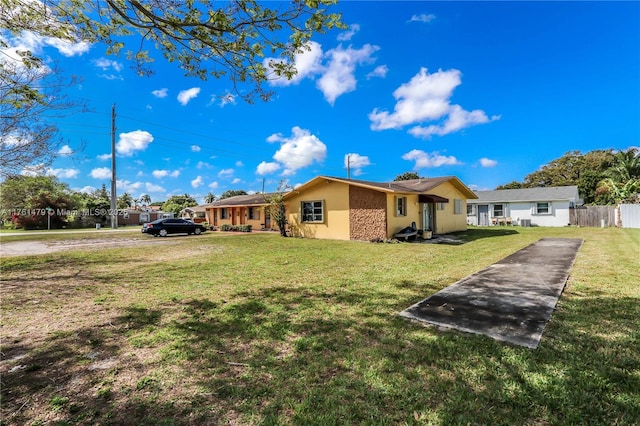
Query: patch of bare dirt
28 248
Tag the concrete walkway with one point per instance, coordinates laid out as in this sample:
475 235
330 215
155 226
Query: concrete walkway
511 300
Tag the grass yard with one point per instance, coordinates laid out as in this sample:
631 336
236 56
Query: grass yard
258 329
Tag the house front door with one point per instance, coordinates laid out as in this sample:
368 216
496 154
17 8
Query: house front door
483 215
427 217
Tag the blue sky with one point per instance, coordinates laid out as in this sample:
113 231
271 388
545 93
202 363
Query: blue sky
486 91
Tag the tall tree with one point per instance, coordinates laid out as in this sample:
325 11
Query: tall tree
209 198
125 201
175 203
277 208
145 199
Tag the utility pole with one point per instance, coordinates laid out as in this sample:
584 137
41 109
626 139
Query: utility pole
114 193
348 166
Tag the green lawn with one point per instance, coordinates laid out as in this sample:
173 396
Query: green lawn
259 329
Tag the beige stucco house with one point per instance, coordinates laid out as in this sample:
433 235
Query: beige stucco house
240 210
350 209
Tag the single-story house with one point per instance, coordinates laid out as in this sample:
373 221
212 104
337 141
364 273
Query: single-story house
241 210
548 206
349 209
139 216
197 214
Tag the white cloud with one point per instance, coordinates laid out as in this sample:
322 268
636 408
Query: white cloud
101 173
307 63
426 97
186 95
203 165
265 168
86 189
197 182
63 173
195 148
106 64
65 150
111 77
225 173
239 164
348 35
425 160
213 185
458 119
160 93
486 162
127 186
339 77
299 150
104 157
138 140
380 71
236 180
159 174
423 17
150 187
356 162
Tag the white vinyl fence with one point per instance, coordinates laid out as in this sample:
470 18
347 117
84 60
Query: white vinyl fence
628 215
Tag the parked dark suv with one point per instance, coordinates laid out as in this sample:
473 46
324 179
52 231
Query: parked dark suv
164 227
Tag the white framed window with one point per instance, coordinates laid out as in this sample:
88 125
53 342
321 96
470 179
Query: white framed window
543 207
498 210
401 206
457 206
312 211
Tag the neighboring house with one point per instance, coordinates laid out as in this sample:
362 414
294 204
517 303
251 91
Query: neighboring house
197 214
350 209
548 206
138 217
240 210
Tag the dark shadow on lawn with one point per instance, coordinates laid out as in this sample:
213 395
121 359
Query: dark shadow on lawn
311 356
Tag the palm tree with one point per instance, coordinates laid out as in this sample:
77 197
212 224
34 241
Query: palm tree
209 198
626 165
145 199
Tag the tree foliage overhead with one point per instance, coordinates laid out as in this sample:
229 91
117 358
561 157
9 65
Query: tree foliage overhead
206 38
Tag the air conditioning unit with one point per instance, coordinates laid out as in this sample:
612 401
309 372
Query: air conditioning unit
525 222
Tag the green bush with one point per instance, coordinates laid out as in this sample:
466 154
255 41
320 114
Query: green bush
236 228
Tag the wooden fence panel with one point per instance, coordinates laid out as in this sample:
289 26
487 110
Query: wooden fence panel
593 216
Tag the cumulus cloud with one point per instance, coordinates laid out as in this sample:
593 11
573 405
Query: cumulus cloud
213 185
423 17
108 64
266 168
130 142
239 163
186 95
426 97
104 157
128 186
225 173
297 151
150 187
86 189
356 163
63 173
101 173
424 160
486 162
348 35
203 165
195 148
380 71
236 180
339 77
160 93
159 174
65 150
197 182
308 63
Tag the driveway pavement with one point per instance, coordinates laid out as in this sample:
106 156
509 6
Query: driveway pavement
511 300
